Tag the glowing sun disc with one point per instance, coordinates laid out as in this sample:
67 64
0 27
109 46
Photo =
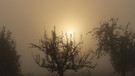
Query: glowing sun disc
70 33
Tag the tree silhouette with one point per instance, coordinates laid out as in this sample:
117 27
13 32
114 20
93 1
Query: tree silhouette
61 54
9 59
119 43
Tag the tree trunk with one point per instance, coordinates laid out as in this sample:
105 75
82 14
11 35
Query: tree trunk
61 73
133 74
123 73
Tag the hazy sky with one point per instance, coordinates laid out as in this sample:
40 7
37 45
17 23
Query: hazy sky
27 19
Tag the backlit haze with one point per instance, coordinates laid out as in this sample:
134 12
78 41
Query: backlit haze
27 19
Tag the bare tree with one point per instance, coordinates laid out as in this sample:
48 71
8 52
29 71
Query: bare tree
119 43
61 54
9 59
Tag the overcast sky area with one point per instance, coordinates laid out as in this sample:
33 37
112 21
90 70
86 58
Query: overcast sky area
27 19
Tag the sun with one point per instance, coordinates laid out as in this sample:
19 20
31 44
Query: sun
70 27
70 33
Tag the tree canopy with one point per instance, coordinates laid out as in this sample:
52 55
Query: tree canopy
62 54
9 59
117 41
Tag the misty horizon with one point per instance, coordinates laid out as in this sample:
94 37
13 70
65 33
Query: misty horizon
27 20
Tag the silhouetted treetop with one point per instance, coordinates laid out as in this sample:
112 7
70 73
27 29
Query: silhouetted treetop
61 53
117 41
9 59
